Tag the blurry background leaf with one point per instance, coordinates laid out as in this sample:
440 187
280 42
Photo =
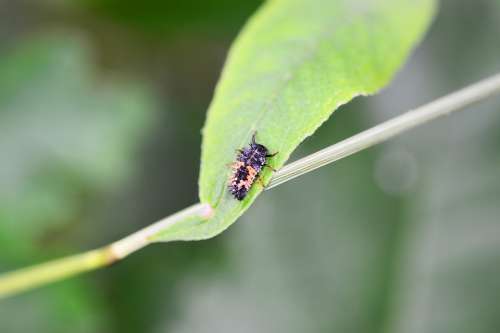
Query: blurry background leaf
63 136
176 17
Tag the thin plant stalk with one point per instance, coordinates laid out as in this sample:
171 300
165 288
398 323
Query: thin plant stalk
37 275
31 277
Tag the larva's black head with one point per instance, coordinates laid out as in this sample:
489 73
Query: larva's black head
254 155
256 147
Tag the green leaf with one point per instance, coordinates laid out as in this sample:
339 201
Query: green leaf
293 64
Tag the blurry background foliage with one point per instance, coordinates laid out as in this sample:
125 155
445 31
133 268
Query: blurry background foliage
101 106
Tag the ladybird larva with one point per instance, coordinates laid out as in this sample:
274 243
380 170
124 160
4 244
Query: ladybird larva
247 167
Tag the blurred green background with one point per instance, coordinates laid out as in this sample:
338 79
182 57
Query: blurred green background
101 106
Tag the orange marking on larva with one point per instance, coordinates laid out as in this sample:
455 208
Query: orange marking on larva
251 171
237 165
242 183
247 183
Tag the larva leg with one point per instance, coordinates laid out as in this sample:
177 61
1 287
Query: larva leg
273 154
270 167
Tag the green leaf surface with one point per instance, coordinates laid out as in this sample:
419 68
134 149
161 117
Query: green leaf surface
294 63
